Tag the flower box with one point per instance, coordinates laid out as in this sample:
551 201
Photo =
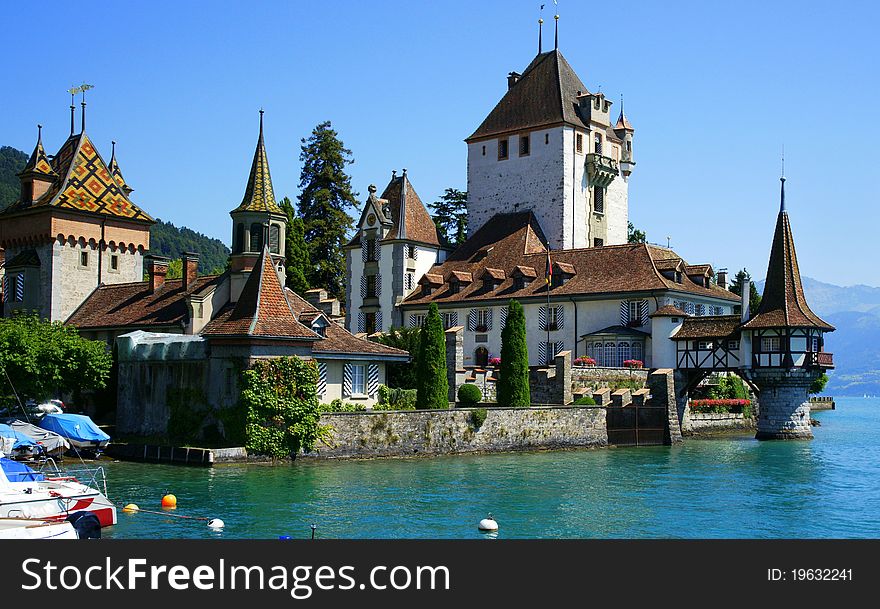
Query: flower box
585 361
633 363
719 406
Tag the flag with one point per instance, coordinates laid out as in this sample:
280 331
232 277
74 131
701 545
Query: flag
548 272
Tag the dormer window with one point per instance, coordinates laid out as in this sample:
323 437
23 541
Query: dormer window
319 328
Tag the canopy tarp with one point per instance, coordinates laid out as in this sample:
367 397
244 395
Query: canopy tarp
50 440
19 472
74 426
21 440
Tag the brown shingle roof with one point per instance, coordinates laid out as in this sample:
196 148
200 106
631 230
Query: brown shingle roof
519 245
545 94
432 279
496 274
668 311
411 219
132 305
262 309
712 326
783 303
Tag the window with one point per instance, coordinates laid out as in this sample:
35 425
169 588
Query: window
239 238
637 351
597 144
411 251
700 310
635 316
732 345
598 199
320 329
598 242
482 320
275 239
551 349
371 286
814 344
256 237
579 143
524 145
450 320
502 149
552 318
114 262
408 281
371 250
84 259
358 379
677 276
629 147
370 323
704 345
598 354
770 343
622 354
610 354
546 138
416 320
484 151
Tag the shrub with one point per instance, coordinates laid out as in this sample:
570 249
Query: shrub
633 363
585 401
396 399
402 374
496 361
729 387
720 406
432 386
584 361
513 390
478 417
469 394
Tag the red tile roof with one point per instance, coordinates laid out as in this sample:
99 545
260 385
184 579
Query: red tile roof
519 245
408 216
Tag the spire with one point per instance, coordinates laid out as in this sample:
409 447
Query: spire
783 303
556 37
38 162
82 128
540 34
72 110
259 195
623 123
116 173
782 187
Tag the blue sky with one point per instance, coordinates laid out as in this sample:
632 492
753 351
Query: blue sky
714 90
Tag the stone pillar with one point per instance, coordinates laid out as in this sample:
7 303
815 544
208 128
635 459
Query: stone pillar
784 412
454 359
563 377
662 385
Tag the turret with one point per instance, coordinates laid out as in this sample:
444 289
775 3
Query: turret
38 174
624 131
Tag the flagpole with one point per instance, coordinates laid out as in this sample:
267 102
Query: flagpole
549 277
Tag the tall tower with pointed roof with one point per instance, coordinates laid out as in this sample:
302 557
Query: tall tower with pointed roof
257 222
549 146
73 228
787 342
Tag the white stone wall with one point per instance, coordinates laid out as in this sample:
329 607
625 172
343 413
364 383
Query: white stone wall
617 211
663 350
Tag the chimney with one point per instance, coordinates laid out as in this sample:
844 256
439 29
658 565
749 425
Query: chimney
190 269
747 290
722 279
157 268
315 296
513 78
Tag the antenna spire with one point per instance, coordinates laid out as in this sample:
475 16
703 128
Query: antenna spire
540 29
39 134
73 92
261 123
556 18
782 184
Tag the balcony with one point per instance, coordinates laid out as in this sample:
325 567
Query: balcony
820 359
601 170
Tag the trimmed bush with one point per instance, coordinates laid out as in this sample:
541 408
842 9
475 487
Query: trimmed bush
469 394
513 386
432 386
478 417
585 401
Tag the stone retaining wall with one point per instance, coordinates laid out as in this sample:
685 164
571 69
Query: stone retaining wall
434 432
711 422
603 377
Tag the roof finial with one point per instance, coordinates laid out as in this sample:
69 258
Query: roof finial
556 18
393 174
82 89
39 134
112 152
72 92
371 189
782 184
540 29
404 171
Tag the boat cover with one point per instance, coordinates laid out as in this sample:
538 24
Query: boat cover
50 440
21 440
19 472
74 426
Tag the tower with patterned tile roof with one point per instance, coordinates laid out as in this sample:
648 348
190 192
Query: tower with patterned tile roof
73 228
256 222
549 146
395 244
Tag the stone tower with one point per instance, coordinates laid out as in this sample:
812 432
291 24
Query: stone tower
396 243
787 344
73 228
258 221
549 146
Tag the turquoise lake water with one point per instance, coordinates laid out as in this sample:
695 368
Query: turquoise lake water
709 488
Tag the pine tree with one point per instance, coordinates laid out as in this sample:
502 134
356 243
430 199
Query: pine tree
736 287
296 252
513 386
324 202
450 216
432 385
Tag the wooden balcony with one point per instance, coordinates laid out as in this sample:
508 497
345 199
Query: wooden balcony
601 170
820 359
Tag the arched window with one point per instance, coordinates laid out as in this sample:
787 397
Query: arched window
239 238
481 357
275 239
637 351
610 354
256 237
598 354
622 354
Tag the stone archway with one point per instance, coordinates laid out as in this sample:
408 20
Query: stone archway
481 357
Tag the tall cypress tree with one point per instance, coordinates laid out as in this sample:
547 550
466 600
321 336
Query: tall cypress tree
296 253
513 386
432 385
324 202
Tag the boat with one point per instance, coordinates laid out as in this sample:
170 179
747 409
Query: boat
53 445
80 431
18 444
51 494
25 528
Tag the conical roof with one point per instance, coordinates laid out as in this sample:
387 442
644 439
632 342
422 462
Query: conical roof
259 195
117 173
783 304
38 163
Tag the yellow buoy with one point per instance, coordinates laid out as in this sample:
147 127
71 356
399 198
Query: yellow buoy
130 507
169 501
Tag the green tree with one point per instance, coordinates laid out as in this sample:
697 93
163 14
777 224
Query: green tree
171 241
432 385
296 253
450 216
324 203
45 359
736 286
818 385
12 161
175 269
280 402
634 235
513 386
402 376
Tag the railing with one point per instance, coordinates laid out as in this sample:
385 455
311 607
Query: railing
821 359
601 169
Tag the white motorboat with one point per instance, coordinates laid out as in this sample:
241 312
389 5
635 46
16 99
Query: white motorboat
26 493
23 528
